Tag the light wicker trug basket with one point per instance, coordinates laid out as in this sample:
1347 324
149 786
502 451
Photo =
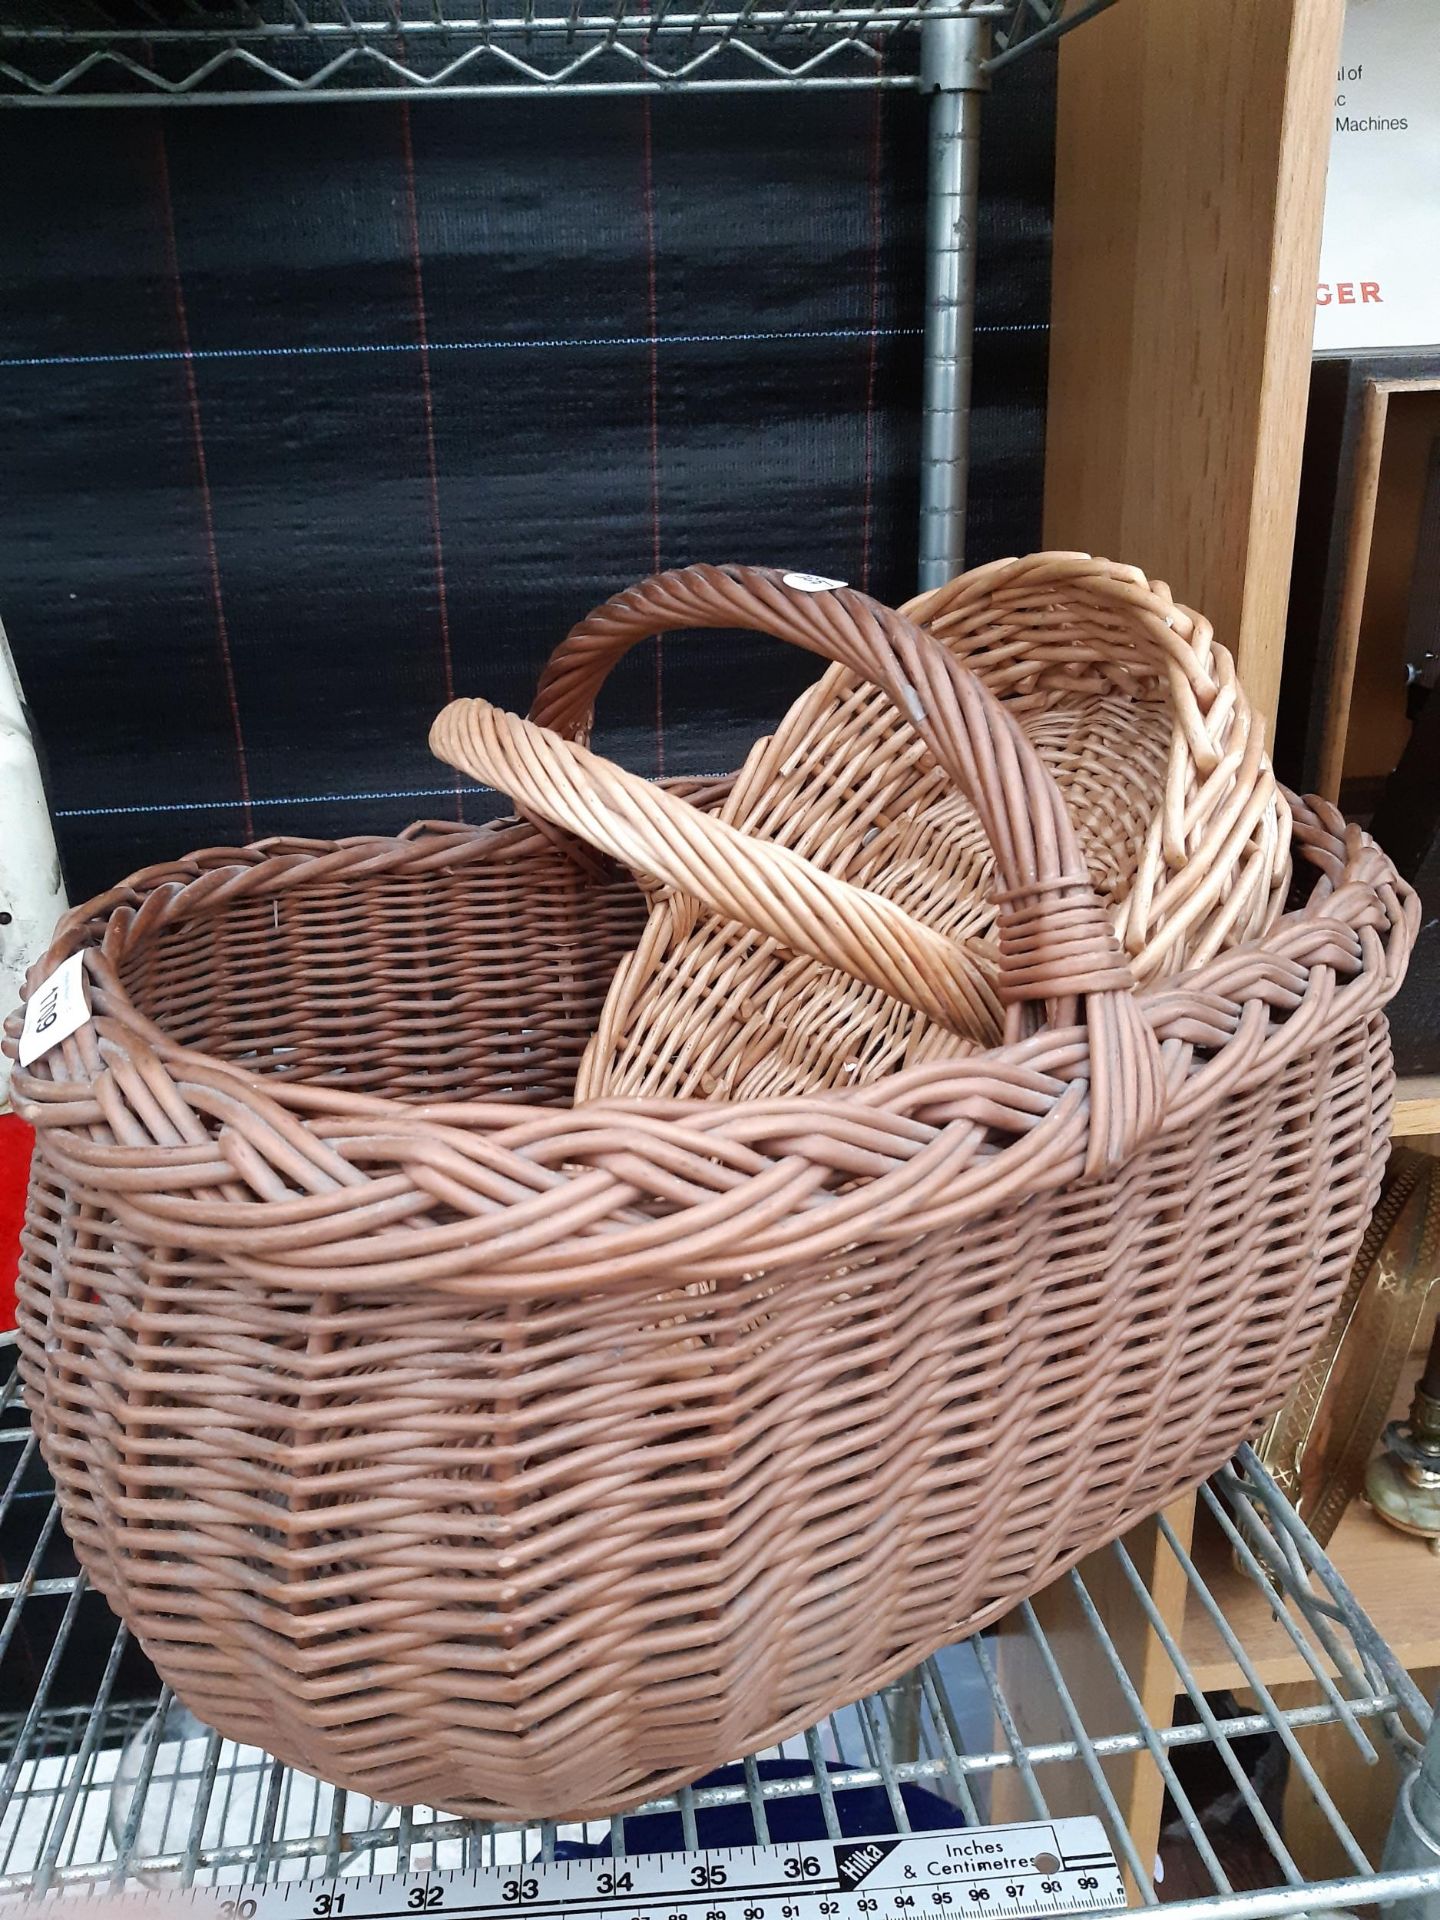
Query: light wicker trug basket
468 1447
1129 704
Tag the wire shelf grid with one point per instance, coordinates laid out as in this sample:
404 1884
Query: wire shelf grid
105 1786
240 51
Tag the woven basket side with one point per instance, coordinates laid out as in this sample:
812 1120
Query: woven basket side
776 1024
544 1556
1213 864
525 1460
395 987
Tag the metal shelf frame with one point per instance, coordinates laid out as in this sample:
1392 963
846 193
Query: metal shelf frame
126 53
118 1791
116 1794
257 51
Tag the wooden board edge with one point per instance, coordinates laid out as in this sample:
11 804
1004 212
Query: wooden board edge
1417 1105
1360 528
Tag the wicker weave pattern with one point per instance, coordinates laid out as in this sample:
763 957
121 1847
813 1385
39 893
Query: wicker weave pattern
1054 945
521 1459
1133 709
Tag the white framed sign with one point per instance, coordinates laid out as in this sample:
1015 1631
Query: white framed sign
1379 283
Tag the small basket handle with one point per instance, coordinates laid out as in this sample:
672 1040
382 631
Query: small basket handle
1054 938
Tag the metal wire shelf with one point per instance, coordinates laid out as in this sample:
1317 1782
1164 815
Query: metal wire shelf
120 1788
119 53
242 51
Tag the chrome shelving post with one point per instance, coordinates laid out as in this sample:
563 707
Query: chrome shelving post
1414 1839
952 72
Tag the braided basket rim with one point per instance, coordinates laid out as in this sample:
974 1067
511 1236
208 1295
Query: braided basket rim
1007 1121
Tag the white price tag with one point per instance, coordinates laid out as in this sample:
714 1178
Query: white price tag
813 582
55 1010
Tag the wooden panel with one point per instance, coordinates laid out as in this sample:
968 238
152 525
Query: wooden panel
1365 491
1394 1576
1334 456
1417 1106
1330 428
1192 138
1363 724
1379 726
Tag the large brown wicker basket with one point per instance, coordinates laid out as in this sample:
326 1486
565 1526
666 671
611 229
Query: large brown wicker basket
469 1448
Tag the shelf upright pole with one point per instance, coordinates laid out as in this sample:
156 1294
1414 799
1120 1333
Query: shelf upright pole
1414 1840
952 56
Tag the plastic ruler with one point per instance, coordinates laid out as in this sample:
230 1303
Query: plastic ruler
1038 1867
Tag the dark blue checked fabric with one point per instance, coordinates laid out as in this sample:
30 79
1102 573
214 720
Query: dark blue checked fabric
307 417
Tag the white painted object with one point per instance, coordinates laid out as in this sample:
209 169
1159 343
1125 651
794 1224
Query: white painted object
1380 256
32 897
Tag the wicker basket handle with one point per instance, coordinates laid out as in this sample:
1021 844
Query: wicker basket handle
1055 940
